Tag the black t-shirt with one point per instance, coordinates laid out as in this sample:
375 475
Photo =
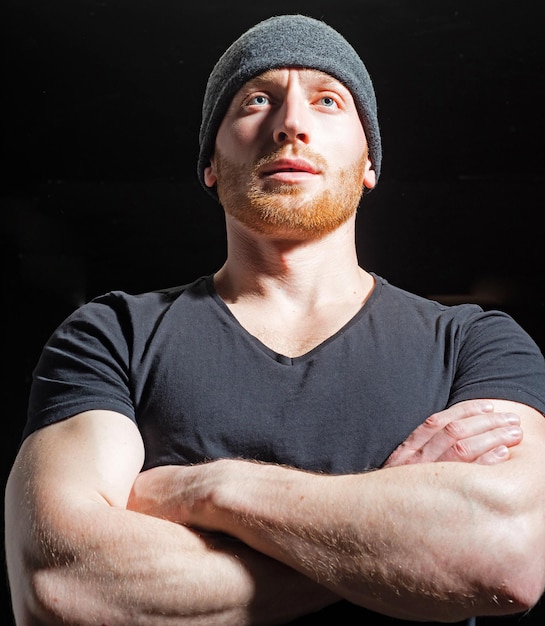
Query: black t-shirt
200 387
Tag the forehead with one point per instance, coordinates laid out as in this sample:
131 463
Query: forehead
312 78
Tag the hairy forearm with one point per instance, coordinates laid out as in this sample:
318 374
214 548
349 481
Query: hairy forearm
447 552
360 536
118 567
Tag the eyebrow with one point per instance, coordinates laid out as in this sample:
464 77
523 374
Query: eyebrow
268 76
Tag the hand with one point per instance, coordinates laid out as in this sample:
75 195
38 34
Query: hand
176 492
469 432
191 494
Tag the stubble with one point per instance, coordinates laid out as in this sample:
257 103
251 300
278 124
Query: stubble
289 209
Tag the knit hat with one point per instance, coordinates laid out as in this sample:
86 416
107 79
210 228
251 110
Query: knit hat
286 41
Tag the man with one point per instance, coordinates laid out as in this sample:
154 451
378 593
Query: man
202 455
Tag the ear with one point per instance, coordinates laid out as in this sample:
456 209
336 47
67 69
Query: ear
369 177
209 173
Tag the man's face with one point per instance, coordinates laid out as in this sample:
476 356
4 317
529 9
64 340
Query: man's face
291 155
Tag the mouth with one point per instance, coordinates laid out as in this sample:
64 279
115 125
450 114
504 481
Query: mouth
283 167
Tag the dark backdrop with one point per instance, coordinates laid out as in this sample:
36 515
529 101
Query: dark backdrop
101 105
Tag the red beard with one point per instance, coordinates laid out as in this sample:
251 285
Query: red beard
288 210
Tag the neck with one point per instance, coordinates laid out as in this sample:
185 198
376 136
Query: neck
307 273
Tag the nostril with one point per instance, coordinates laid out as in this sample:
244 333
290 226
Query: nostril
282 136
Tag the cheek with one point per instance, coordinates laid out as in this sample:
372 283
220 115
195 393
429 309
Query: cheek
232 139
352 144
240 139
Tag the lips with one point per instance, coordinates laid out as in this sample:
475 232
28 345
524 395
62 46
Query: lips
288 165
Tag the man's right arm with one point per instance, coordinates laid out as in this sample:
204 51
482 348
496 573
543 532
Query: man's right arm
76 555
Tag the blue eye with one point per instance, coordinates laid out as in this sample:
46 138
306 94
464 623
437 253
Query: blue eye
328 101
259 100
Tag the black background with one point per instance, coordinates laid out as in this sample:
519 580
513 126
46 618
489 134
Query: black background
101 107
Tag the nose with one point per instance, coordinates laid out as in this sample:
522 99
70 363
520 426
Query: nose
293 121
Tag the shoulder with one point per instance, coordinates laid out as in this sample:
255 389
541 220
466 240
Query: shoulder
467 328
406 303
124 309
395 303
159 298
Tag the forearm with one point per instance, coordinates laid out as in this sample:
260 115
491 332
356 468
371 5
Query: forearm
358 536
453 549
119 567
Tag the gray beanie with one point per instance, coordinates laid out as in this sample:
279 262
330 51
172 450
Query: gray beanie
286 41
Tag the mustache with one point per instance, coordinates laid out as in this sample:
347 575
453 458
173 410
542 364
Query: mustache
303 152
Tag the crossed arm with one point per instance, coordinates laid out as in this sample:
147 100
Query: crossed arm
222 542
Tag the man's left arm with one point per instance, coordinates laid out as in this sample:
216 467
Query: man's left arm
415 540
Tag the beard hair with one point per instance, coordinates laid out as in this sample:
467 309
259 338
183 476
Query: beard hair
287 209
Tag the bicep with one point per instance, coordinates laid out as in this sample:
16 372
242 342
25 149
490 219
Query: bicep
530 450
516 485
527 455
63 475
94 455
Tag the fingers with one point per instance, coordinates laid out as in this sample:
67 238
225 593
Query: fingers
431 427
438 421
498 455
488 447
467 432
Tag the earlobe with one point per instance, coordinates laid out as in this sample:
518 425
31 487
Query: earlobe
209 174
369 178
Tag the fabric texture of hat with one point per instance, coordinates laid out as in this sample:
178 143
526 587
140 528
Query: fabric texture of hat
286 41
